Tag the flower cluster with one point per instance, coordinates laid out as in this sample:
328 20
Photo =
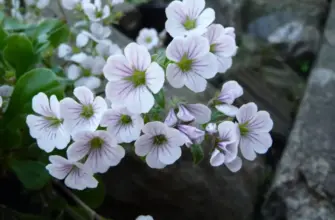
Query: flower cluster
96 131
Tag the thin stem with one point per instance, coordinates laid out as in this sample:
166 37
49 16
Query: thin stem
62 10
90 212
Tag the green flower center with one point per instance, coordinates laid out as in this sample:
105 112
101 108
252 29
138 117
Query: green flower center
87 111
125 119
98 14
86 73
159 139
243 129
96 143
212 48
185 64
189 24
138 78
148 40
54 122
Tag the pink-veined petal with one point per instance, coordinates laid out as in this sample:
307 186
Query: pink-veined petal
246 112
155 77
175 76
138 56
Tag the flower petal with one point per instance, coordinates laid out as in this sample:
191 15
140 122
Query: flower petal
195 82
230 91
175 76
171 119
113 154
184 114
73 72
140 100
224 64
175 50
217 158
247 149
206 66
260 142
58 171
228 131
226 47
235 165
154 128
143 145
206 18
78 150
82 40
201 112
41 105
116 68
174 137
175 28
155 77
45 144
84 95
90 82
153 161
169 154
246 112
262 122
194 7
228 110
175 11
196 46
138 56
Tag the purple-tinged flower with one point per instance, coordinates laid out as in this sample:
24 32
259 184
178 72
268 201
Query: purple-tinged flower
226 149
171 119
192 63
222 45
131 78
76 175
144 217
188 17
230 91
254 127
212 128
122 124
100 147
160 144
199 113
192 135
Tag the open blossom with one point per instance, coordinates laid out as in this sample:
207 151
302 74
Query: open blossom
76 175
226 149
230 91
148 37
144 217
70 4
47 127
100 147
97 33
160 144
131 78
64 51
123 125
95 11
193 63
192 135
188 17
199 113
254 128
106 48
211 128
222 45
86 114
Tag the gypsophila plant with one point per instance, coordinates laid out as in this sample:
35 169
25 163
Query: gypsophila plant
69 90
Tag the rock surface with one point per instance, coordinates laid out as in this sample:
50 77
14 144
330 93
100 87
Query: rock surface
303 188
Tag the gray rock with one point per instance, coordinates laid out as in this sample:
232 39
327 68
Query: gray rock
303 188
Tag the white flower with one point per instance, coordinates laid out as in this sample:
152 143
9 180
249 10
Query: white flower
160 144
171 119
78 57
211 128
123 125
5 94
76 175
199 113
131 78
97 34
193 63
230 91
222 45
116 2
192 135
106 48
42 4
83 77
70 4
188 17
1 102
85 115
47 128
148 37
100 147
144 217
230 31
95 12
254 128
64 51
226 150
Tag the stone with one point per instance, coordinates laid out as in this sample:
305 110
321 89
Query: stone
303 188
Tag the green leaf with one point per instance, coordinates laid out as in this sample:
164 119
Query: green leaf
29 85
19 53
3 36
160 98
93 197
32 174
12 24
159 57
197 153
9 214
